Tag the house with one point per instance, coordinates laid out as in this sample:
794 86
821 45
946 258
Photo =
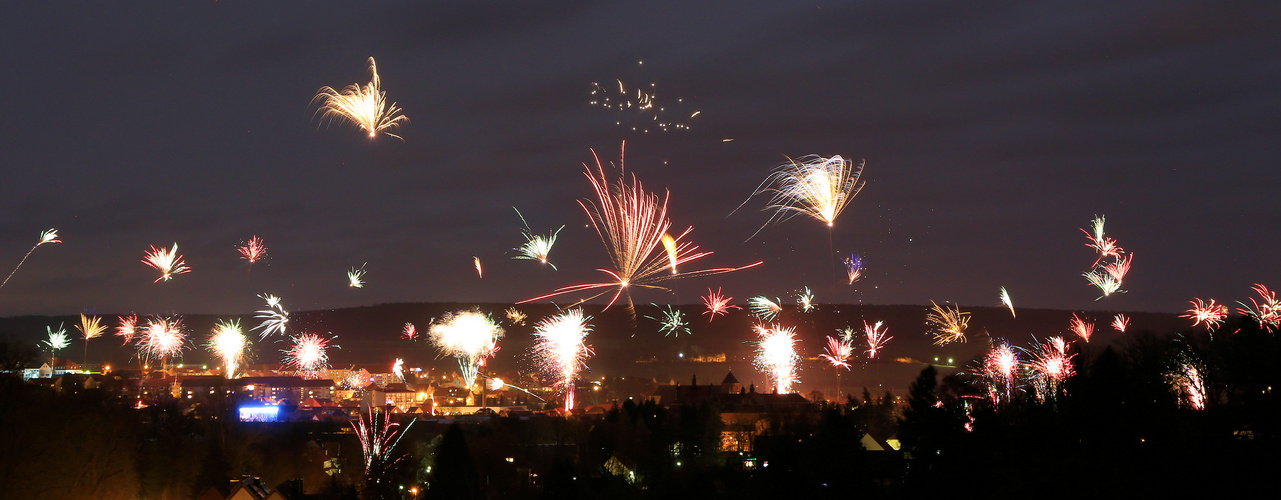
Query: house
745 413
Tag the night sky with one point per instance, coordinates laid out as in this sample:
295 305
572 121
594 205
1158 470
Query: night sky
992 131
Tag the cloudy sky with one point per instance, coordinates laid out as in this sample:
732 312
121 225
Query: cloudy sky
991 131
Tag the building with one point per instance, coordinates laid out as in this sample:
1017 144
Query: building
746 413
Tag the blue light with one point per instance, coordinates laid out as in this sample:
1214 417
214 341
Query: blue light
259 413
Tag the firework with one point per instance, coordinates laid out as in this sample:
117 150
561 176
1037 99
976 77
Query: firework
669 245
536 246
356 277
515 316
1209 313
1186 377
399 369
631 223
480 271
91 328
717 303
672 321
469 336
639 103
776 356
162 339
947 325
128 327
378 437
358 379
1007 301
47 236
840 349
999 371
805 299
854 267
274 318
253 251
409 332
168 261
308 355
1106 247
814 186
876 338
228 342
764 308
1105 281
1121 322
1081 328
560 349
365 107
1266 311
57 341
1051 365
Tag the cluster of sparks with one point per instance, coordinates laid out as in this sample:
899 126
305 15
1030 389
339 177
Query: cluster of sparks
253 250
671 321
378 438
717 304
1208 313
1007 301
854 267
398 368
560 349
1051 365
91 327
632 223
162 339
166 260
1120 322
1112 264
776 356
364 106
308 355
57 340
470 336
127 328
639 101
536 246
840 349
409 332
356 277
1266 311
876 337
515 317
274 318
48 236
947 325
805 300
1000 371
1186 377
764 308
815 186
1081 328
228 343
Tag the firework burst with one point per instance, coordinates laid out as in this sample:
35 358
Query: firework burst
128 327
469 336
1209 313
409 332
162 339
378 438
854 267
641 102
1007 301
805 300
274 318
308 355
253 251
365 107
671 321
1081 328
228 343
813 186
776 356
560 350
90 327
166 260
947 325
840 349
356 277
876 337
1186 377
57 341
1106 247
1120 322
515 316
1051 365
999 372
398 368
47 236
536 246
717 303
631 223
1266 311
764 308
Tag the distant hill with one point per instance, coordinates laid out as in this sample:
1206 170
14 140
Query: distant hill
628 344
